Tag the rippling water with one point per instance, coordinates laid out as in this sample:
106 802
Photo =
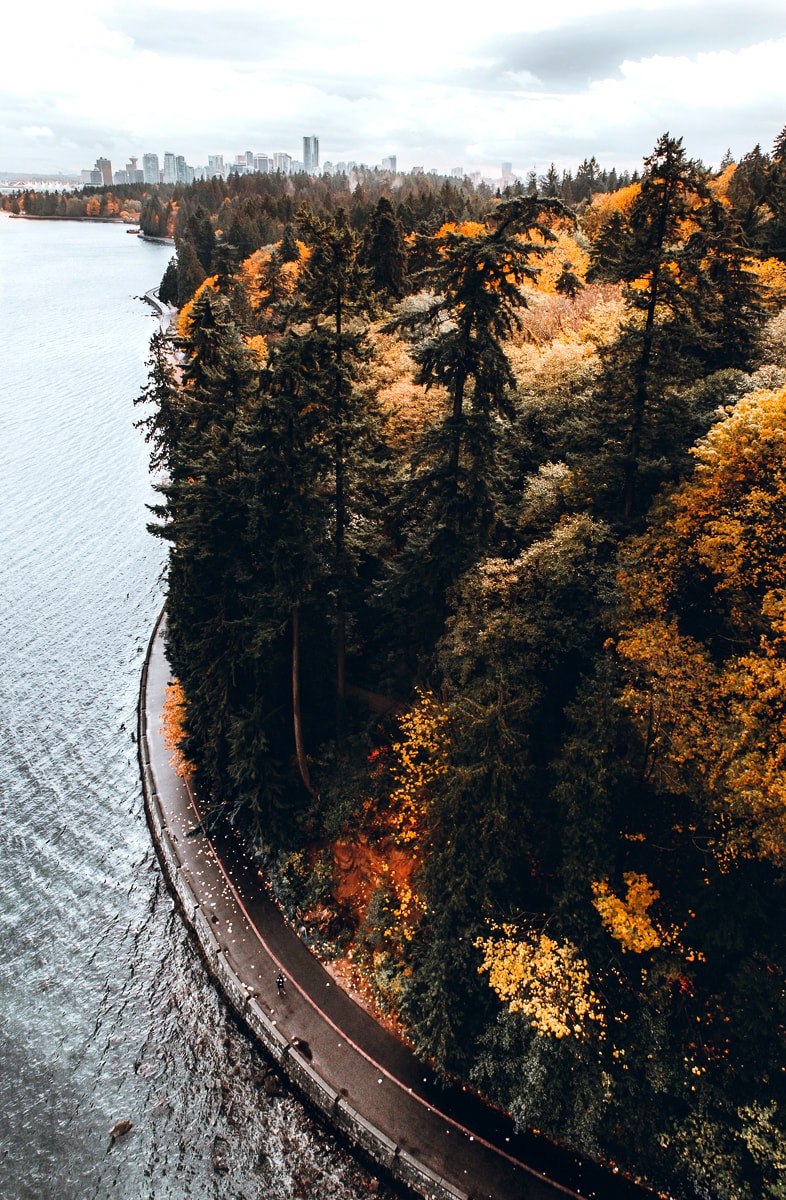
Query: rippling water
105 1010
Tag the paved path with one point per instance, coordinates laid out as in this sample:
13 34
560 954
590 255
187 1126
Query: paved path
442 1143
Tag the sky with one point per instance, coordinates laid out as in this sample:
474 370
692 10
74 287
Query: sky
439 84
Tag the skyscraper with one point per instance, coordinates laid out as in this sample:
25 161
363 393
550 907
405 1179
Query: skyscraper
150 168
104 167
170 167
311 155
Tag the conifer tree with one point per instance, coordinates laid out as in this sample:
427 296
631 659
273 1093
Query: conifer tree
203 517
691 305
332 299
384 252
190 273
470 305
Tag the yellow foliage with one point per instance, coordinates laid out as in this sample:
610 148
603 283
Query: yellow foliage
627 920
418 761
771 275
408 409
717 730
540 978
565 250
172 729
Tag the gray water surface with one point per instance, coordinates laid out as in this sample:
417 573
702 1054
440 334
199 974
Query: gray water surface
106 1012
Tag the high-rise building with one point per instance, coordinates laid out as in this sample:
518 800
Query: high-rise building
507 170
104 167
183 173
311 155
262 163
249 161
282 162
121 177
389 163
215 165
135 175
150 168
457 172
170 167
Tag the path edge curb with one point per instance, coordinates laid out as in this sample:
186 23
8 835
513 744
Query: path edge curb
361 1134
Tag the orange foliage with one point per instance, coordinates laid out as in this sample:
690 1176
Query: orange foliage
604 204
720 186
172 729
184 316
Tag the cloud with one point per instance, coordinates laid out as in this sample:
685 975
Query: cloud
571 56
229 35
37 131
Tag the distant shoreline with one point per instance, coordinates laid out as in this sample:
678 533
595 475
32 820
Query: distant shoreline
63 217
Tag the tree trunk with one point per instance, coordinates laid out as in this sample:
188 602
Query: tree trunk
300 751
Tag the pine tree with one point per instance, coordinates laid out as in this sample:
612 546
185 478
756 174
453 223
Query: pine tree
203 517
384 252
332 299
288 249
471 303
190 273
692 307
168 289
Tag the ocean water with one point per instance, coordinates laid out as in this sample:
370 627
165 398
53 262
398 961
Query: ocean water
106 1012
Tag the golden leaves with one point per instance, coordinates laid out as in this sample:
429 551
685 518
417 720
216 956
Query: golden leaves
628 920
419 759
544 980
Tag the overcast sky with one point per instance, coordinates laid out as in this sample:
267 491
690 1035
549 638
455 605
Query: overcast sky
438 84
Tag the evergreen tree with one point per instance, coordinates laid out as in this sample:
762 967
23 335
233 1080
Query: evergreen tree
384 252
288 250
204 519
190 273
474 293
168 288
202 237
332 298
691 305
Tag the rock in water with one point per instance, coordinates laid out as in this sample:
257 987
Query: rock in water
120 1129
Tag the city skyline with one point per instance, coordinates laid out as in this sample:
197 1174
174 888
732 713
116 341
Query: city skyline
433 86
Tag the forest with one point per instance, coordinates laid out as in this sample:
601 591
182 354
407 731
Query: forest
476 514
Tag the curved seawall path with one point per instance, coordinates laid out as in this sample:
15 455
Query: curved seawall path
442 1144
